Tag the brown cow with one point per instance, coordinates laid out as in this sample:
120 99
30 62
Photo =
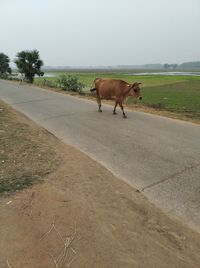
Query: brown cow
115 89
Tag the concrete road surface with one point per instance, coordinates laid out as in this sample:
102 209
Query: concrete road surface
157 155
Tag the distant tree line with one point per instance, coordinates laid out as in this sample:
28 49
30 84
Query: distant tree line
170 66
190 65
183 66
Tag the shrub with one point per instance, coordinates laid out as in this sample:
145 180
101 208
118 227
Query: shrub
3 75
70 83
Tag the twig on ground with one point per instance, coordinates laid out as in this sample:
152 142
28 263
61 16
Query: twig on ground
9 266
56 265
60 255
58 234
68 265
60 260
52 227
74 251
67 241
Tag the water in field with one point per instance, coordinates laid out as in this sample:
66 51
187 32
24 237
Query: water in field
47 74
169 73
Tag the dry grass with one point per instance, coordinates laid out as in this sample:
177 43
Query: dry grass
25 155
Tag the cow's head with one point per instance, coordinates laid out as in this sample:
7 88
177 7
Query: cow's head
136 90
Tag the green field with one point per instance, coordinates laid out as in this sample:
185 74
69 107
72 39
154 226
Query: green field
179 94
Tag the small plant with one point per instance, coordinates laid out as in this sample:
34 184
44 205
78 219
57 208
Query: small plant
70 83
4 76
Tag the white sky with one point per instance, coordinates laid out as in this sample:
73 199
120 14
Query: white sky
102 32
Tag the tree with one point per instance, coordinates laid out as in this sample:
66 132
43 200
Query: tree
174 66
170 66
29 63
70 82
4 64
166 65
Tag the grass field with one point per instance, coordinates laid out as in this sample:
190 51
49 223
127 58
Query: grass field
178 94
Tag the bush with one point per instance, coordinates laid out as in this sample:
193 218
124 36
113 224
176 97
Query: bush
3 75
70 83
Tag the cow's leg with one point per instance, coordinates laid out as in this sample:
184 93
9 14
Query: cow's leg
116 103
99 101
120 104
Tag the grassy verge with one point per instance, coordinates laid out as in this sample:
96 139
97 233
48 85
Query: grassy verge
182 98
25 155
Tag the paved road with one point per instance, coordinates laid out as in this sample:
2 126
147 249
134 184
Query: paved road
157 155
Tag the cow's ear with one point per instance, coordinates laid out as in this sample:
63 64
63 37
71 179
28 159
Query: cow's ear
139 83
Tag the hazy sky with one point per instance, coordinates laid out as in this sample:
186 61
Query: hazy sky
102 32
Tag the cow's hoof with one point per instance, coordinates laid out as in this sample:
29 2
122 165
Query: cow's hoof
114 113
124 116
100 111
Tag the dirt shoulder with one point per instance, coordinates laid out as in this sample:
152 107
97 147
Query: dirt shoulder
74 212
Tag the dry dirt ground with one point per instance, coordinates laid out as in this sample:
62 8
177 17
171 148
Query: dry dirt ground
59 208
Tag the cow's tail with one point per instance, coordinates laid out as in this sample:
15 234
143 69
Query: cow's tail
93 89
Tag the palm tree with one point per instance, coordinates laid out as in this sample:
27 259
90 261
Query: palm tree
29 63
